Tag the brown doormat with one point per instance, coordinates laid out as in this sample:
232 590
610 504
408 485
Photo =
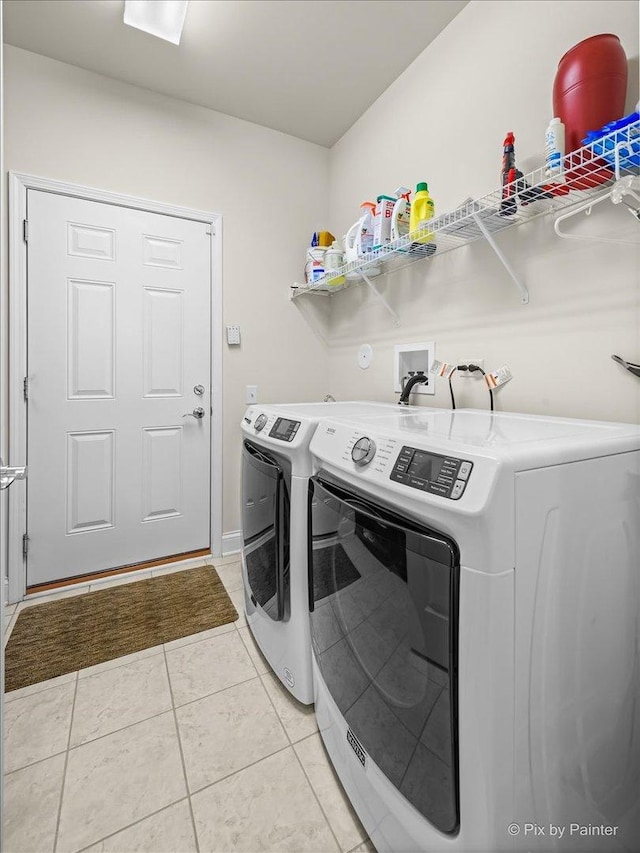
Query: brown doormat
62 636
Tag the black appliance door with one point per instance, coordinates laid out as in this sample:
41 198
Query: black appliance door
265 529
383 596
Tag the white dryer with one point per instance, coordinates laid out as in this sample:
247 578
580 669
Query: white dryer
276 466
475 613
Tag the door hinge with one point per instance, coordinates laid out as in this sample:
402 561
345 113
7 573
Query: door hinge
25 388
25 230
25 545
210 231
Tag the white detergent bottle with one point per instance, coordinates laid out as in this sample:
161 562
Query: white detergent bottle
401 214
350 250
358 240
364 236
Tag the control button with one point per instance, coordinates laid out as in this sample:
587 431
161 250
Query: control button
363 451
465 470
260 422
400 478
399 467
417 483
458 489
437 489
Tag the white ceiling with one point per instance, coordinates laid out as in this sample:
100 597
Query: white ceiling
306 67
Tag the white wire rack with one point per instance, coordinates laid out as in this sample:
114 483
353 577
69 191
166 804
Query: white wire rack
585 175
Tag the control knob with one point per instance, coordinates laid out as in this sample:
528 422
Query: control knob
261 422
363 451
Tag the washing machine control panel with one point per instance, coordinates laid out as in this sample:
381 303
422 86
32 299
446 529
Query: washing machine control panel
430 472
284 429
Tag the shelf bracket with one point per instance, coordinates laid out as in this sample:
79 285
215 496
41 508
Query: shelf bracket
586 207
380 297
298 289
524 293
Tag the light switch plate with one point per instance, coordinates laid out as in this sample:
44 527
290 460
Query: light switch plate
233 335
251 394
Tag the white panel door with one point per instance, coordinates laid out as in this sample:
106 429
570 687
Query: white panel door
118 337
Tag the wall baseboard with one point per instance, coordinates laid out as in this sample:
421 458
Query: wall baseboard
231 542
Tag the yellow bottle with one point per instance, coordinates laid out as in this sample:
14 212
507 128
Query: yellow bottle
422 209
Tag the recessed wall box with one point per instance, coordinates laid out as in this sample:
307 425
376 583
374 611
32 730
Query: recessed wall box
414 357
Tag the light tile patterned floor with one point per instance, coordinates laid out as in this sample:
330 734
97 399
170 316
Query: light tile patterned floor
190 746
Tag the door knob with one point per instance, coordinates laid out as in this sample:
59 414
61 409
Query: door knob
197 413
9 474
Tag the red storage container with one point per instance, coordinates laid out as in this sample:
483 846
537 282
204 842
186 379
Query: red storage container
590 87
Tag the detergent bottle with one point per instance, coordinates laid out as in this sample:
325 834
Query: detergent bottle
401 214
382 221
364 236
422 210
358 240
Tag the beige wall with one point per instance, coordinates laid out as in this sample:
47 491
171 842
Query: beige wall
443 121
65 123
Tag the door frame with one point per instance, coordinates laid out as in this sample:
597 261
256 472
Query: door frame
16 370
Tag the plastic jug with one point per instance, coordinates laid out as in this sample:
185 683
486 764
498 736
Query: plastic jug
401 214
350 248
590 86
364 237
314 267
358 240
422 210
382 220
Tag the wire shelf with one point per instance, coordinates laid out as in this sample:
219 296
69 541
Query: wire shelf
585 174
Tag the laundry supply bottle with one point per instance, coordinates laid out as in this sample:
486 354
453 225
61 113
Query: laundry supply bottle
382 220
358 240
364 237
333 260
554 150
508 174
401 214
314 266
422 210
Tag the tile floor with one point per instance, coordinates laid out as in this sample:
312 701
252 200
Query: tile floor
189 746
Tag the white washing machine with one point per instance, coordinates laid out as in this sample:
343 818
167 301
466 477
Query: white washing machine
276 466
475 629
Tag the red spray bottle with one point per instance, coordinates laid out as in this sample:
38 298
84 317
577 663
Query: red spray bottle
508 205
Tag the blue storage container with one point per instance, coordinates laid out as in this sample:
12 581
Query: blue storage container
624 132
